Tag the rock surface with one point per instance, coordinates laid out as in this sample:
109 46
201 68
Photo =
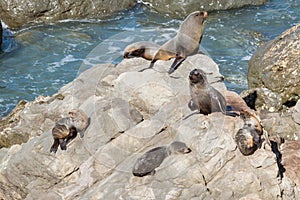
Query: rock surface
180 8
276 66
17 14
132 112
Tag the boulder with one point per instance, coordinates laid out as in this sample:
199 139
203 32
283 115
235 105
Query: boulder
132 112
17 14
275 66
181 9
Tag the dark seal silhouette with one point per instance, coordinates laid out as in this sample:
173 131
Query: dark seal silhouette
146 164
66 129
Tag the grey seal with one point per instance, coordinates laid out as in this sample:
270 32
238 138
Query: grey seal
146 164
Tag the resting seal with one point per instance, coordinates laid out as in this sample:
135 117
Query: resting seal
142 49
185 43
146 164
248 138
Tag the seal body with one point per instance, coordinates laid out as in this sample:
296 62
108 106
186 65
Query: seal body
142 49
248 138
146 164
205 98
66 129
185 43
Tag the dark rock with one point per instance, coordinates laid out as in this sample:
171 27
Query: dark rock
1 33
262 99
276 66
181 9
16 14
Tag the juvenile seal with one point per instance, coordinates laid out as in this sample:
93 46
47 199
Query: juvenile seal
142 49
205 98
66 129
248 138
185 43
146 164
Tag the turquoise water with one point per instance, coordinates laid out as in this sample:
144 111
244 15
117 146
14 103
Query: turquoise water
41 59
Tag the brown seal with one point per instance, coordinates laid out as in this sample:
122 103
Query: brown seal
185 43
142 49
248 138
66 129
146 164
205 98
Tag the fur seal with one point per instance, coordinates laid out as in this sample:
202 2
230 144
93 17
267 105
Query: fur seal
146 164
185 43
142 49
66 129
248 138
205 98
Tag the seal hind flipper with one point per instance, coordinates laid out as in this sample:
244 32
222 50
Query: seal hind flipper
177 62
62 143
55 145
150 66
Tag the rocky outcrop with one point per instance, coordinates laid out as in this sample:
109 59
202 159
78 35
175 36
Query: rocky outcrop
276 66
1 33
15 14
180 8
132 112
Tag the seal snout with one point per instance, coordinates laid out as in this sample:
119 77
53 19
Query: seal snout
204 14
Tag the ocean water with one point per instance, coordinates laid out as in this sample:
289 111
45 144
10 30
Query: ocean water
39 60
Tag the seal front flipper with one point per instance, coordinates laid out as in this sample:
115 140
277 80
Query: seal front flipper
178 60
150 66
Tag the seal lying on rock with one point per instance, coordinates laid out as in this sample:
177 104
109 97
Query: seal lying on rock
185 43
146 164
65 129
248 138
205 98
142 49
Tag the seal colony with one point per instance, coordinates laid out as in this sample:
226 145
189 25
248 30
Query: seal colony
146 164
66 129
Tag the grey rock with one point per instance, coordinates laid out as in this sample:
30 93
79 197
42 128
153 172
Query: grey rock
16 14
296 113
130 113
179 8
275 65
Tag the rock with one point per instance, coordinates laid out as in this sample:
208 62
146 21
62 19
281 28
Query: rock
132 112
262 99
179 8
291 163
16 14
1 33
276 66
296 113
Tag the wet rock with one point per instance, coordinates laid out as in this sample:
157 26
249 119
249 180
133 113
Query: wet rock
132 112
276 66
16 14
1 33
262 99
182 9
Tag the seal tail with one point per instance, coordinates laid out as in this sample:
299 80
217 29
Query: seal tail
175 65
